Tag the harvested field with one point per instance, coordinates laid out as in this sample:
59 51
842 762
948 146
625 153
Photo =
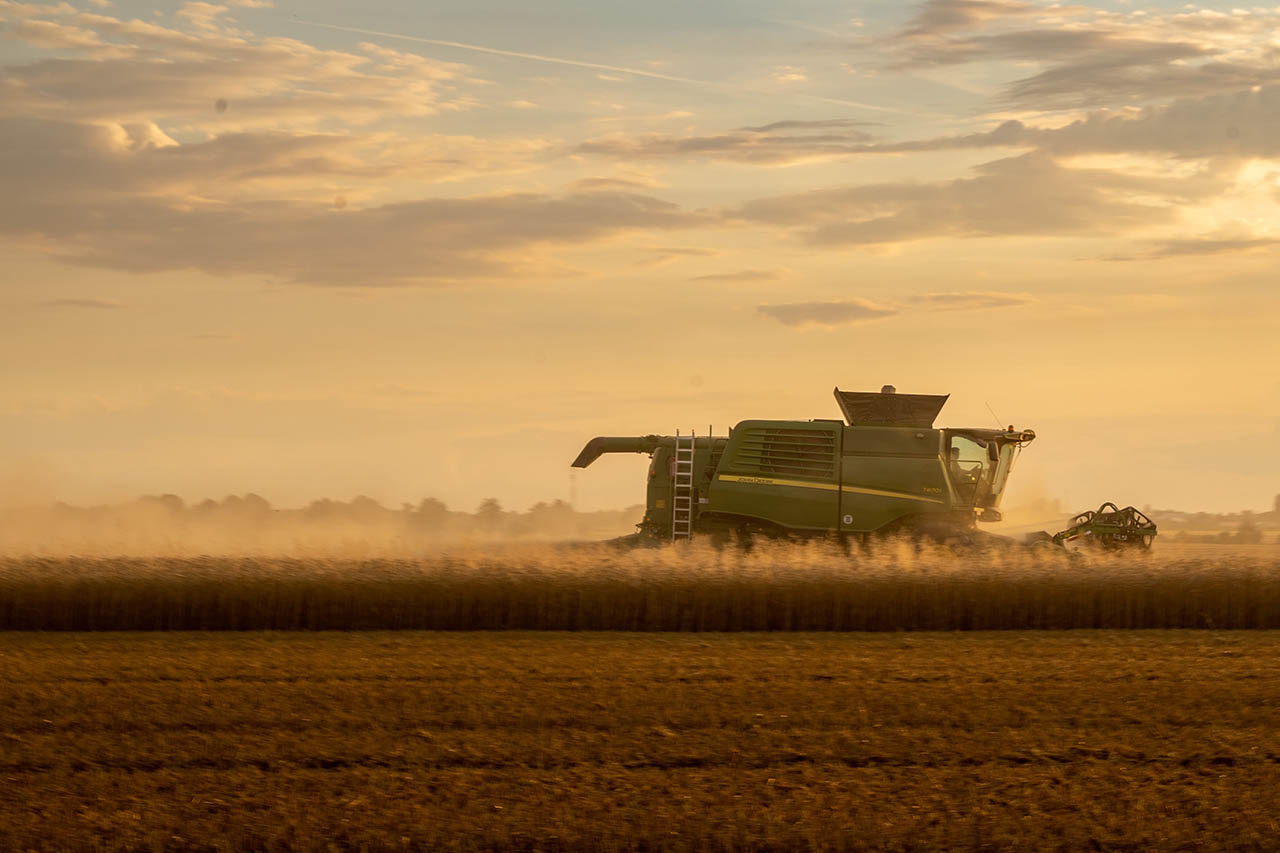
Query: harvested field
891 587
379 741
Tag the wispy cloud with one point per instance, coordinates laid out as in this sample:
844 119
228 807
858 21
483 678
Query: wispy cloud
423 241
830 124
850 311
596 66
1199 246
312 144
840 313
1091 57
92 161
663 255
779 143
98 304
612 184
971 300
1232 126
940 17
789 74
739 276
515 54
1031 195
129 71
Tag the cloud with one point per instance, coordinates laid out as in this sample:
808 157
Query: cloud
1237 124
971 300
1240 124
55 36
1101 50
938 17
116 157
789 74
13 10
82 303
422 241
662 255
76 164
1091 57
774 144
821 124
1127 74
828 313
131 71
1198 246
1203 246
131 197
1030 195
850 311
624 184
202 16
616 69
515 54
739 276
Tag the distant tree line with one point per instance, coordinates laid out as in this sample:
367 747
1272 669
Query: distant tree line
430 515
243 523
1246 532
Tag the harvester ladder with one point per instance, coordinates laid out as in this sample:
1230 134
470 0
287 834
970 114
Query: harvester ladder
682 493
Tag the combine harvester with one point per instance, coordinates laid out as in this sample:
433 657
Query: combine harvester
885 469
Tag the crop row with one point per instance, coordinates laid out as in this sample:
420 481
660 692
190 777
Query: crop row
791 588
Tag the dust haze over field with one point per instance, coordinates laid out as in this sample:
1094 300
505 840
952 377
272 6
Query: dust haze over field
164 525
159 563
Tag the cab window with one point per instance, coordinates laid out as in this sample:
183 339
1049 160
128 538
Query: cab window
968 466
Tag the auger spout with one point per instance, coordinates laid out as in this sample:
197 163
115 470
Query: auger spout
600 445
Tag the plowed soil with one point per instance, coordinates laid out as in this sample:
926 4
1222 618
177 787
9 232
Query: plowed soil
1037 740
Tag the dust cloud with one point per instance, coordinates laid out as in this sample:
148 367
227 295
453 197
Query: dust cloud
165 525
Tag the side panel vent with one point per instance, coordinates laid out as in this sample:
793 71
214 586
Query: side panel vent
806 453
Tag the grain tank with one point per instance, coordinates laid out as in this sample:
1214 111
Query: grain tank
885 467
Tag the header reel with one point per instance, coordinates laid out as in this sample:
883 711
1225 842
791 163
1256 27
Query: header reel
1109 527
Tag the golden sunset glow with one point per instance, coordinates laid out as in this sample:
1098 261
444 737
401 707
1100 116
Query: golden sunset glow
411 250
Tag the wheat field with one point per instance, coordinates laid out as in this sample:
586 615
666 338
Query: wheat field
891 586
424 741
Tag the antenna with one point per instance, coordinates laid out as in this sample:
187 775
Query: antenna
999 422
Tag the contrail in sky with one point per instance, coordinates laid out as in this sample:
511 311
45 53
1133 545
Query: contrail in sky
617 69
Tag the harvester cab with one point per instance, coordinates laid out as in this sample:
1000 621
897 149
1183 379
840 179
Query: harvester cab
884 467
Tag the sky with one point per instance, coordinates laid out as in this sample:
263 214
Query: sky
403 250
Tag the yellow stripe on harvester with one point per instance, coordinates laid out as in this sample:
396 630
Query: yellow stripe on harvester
831 487
769 481
885 494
